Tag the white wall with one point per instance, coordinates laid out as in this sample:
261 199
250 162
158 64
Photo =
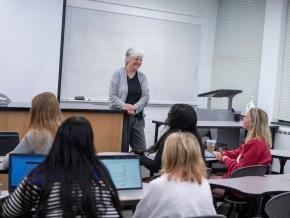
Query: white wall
272 57
205 11
273 43
29 47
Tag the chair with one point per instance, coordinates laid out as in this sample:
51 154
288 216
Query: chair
255 170
211 216
278 206
236 200
8 141
208 172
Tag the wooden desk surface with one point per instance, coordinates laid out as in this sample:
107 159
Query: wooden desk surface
107 124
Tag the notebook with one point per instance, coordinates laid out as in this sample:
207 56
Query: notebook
21 165
124 170
8 141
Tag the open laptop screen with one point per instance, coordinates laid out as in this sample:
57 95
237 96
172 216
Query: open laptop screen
124 170
21 165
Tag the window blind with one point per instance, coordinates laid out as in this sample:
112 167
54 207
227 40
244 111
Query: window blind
237 52
284 103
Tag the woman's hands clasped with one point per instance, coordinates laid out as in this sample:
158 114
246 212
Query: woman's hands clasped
131 109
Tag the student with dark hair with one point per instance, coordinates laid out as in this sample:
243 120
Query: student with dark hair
71 182
181 117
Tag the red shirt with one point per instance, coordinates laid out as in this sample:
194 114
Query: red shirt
254 152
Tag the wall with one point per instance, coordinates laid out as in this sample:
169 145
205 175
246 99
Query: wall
30 47
273 43
272 57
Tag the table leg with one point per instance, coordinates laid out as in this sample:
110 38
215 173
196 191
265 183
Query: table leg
282 165
157 125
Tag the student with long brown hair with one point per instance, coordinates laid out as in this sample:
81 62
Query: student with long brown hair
182 190
45 118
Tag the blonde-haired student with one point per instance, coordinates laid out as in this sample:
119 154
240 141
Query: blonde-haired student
256 149
182 190
45 118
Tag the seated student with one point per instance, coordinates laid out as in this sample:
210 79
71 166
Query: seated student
182 190
256 149
71 182
181 117
45 118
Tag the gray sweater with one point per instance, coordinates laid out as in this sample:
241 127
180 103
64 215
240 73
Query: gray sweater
119 90
34 142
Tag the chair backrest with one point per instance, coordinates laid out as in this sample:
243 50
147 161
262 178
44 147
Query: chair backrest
8 141
278 206
254 170
211 216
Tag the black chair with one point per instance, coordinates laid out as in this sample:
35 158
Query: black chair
255 170
8 141
236 200
278 206
211 216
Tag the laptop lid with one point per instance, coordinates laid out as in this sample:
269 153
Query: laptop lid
8 141
124 170
21 165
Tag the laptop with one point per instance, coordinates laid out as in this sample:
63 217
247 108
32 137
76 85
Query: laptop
8 141
21 165
124 170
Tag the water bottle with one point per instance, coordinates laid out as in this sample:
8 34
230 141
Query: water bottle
250 105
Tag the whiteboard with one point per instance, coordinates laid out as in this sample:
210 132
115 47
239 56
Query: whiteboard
95 43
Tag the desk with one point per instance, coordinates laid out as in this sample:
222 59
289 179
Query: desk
254 186
130 198
107 124
225 125
283 156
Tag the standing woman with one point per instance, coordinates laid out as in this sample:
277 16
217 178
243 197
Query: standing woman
70 182
129 91
45 118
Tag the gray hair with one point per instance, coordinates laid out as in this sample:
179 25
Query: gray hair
133 52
